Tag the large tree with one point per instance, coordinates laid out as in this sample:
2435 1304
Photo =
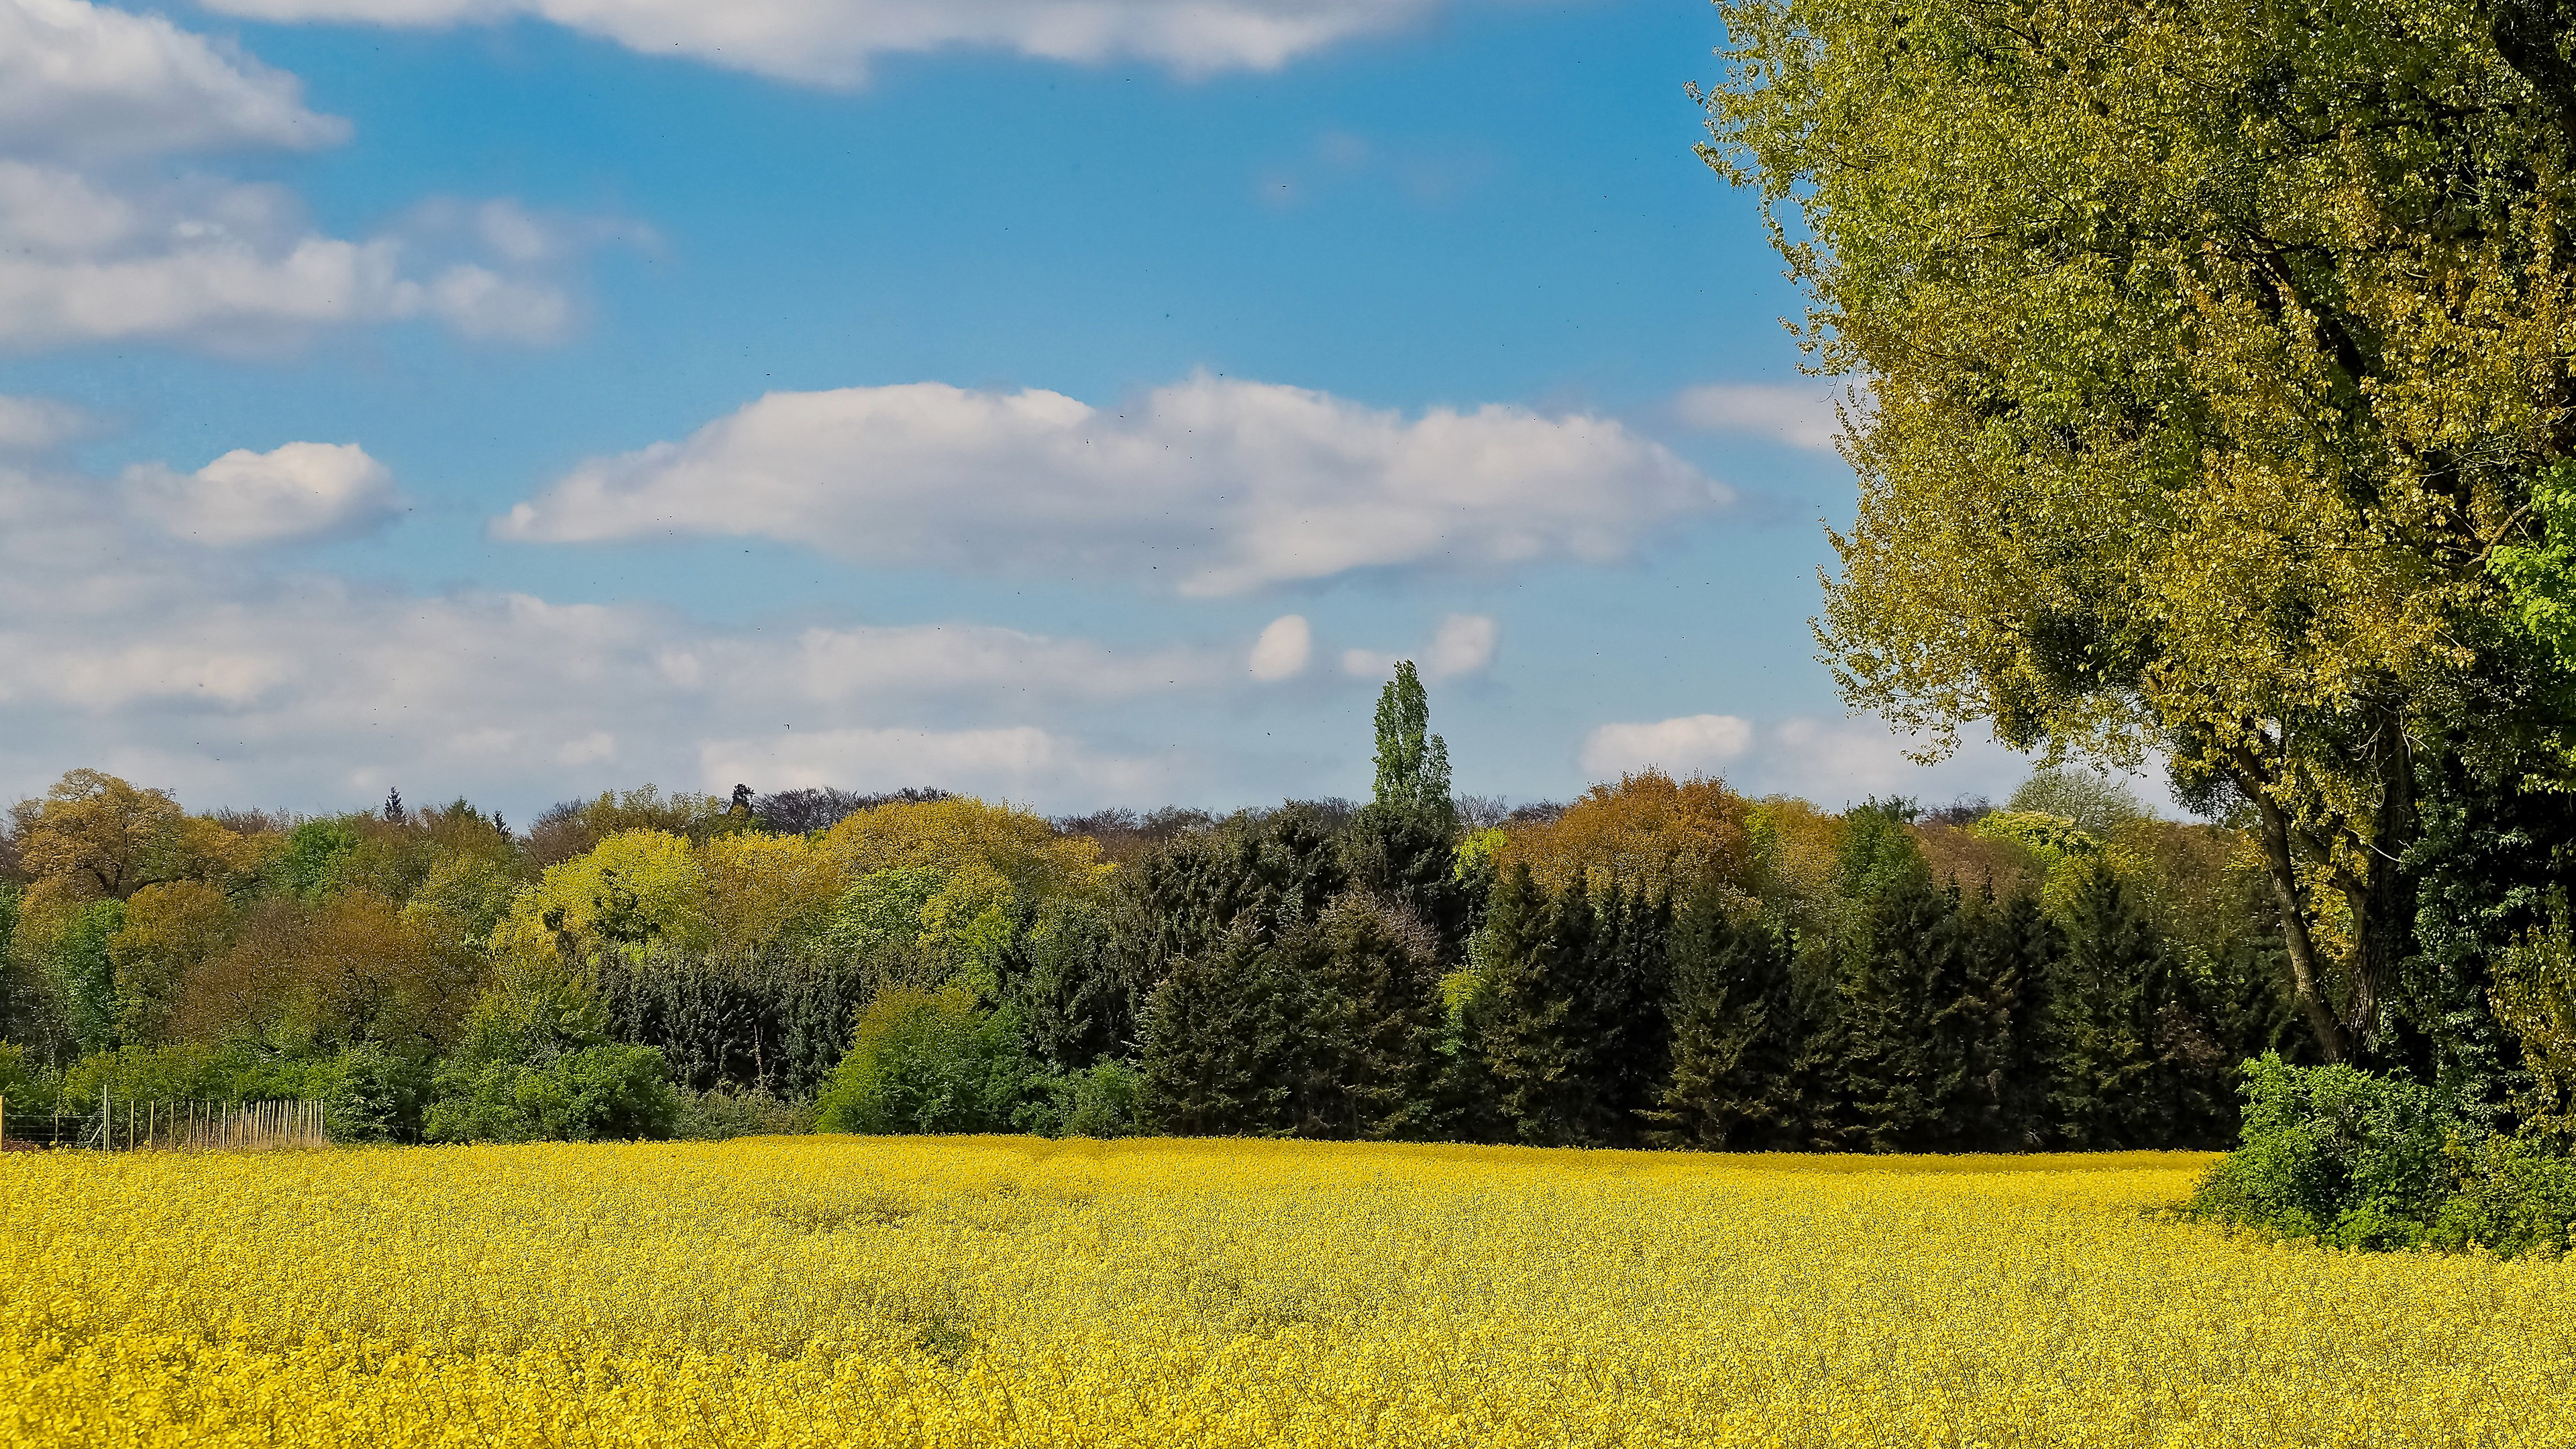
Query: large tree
2207 352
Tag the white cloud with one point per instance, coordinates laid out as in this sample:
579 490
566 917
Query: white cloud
87 80
97 246
1463 644
1283 648
231 267
1218 487
1835 762
1691 745
211 671
38 425
833 42
1800 415
1008 762
298 491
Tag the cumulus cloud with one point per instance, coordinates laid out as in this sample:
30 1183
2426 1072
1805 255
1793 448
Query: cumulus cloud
295 492
1463 644
232 267
214 671
1835 762
97 246
1691 745
1800 415
38 425
1008 762
832 42
1283 648
1218 487
85 80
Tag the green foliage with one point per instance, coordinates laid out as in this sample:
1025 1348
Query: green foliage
1323 1029
594 1093
228 1072
2085 799
1103 1100
1412 764
26 1087
2207 350
723 1114
881 909
774 1019
2538 570
1256 871
1935 1013
315 852
535 1063
2336 1154
926 1061
1569 1016
1736 1030
86 974
2108 993
1066 984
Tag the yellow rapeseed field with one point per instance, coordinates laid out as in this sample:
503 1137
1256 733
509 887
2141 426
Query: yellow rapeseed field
991 1292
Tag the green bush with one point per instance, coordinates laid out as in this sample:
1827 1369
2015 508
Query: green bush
535 1063
27 1089
236 1071
1103 1100
374 1095
608 1091
2337 1154
927 1061
2354 1160
720 1114
2516 1197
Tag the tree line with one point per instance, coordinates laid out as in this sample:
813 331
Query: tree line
1662 962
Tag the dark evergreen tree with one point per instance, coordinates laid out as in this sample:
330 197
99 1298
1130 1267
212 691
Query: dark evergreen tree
1735 1081
1260 872
1529 1025
1323 1030
1625 985
1223 1040
1068 987
1409 856
1379 1017
2107 992
1905 1062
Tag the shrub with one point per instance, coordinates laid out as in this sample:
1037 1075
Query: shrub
602 1091
1103 1100
374 1095
2363 1161
27 1088
927 1061
535 1063
720 1114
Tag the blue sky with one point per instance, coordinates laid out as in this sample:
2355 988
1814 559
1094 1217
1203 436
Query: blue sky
1075 402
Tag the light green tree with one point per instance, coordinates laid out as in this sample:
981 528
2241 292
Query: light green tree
2209 350
1412 764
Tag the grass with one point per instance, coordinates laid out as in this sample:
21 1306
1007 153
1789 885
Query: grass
1005 1291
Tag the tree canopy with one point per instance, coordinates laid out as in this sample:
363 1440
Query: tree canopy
2208 351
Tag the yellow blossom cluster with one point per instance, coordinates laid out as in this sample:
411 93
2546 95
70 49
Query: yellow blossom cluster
1003 1291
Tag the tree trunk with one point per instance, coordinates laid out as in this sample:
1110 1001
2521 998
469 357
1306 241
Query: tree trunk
2282 866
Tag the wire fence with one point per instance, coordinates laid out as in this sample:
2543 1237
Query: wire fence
137 1125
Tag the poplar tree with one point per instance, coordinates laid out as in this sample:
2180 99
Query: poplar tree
1412 763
